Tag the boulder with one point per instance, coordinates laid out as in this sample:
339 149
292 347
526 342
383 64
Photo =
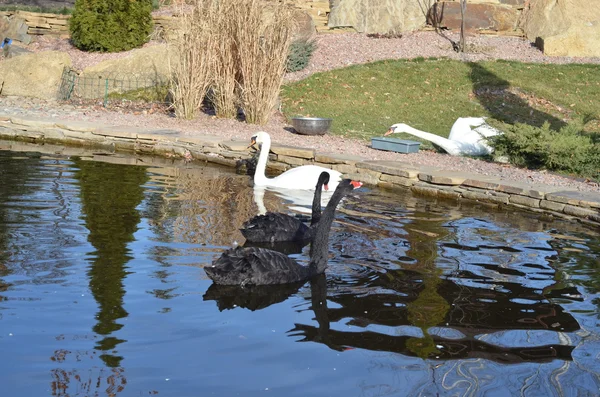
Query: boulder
142 68
496 17
146 62
304 26
377 16
563 28
34 75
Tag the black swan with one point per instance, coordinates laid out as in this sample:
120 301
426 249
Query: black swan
260 266
275 226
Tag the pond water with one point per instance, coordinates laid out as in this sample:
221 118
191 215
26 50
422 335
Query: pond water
102 292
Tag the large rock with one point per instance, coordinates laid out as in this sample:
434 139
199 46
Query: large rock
496 17
304 26
34 75
563 28
377 16
146 62
142 68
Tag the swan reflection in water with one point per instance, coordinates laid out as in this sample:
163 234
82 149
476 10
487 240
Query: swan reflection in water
376 309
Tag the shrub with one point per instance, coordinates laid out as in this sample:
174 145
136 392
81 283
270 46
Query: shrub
569 150
110 25
300 53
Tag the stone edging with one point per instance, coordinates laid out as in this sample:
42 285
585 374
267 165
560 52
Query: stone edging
582 206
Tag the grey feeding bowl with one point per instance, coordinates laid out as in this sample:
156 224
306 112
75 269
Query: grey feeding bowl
311 125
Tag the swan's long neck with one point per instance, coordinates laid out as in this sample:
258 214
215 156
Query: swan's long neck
316 205
319 247
446 144
259 174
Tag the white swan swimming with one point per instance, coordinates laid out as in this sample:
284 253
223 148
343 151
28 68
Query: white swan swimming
300 178
463 140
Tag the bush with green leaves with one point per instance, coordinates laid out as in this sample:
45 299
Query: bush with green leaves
299 55
569 150
111 25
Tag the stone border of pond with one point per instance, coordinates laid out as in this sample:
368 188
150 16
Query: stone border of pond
421 180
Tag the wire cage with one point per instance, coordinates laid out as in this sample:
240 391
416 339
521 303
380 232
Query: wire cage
112 87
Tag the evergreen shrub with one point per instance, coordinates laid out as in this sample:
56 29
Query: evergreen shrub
300 53
569 150
110 25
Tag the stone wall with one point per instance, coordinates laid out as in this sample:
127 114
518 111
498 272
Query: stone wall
580 206
58 25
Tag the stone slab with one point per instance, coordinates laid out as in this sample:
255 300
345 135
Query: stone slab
331 158
202 140
552 205
397 168
236 146
295 161
397 180
526 189
523 200
578 211
73 125
34 122
481 181
572 197
490 196
120 131
442 177
292 151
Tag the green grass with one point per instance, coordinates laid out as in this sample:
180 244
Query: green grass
46 10
158 94
429 94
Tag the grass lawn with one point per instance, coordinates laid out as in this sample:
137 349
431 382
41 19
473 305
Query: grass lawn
429 94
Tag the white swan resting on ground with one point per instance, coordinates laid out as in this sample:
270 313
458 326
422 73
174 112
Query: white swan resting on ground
300 178
462 141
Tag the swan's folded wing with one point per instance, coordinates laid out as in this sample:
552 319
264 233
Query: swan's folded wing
272 267
274 227
254 265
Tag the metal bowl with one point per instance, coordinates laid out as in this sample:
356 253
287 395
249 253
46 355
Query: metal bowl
311 125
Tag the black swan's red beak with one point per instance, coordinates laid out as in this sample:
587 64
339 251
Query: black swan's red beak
356 184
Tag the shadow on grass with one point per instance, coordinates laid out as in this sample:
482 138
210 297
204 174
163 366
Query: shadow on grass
506 103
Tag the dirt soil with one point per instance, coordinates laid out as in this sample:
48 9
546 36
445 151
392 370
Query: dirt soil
333 51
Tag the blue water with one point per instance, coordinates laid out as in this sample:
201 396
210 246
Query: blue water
102 292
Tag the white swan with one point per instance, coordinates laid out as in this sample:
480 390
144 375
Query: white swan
462 139
296 200
300 178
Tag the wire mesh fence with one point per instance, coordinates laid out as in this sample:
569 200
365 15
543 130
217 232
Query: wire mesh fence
112 88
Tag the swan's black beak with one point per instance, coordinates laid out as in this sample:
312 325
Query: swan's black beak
252 142
356 184
389 132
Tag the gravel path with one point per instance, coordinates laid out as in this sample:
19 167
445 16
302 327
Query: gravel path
333 51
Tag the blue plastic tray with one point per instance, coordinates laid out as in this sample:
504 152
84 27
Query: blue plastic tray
395 145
